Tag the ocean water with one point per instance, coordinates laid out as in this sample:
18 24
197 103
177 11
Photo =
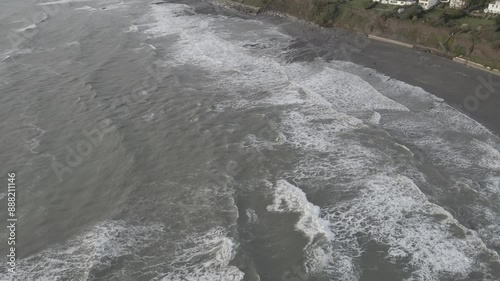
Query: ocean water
183 141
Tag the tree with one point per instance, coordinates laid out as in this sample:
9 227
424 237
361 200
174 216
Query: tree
411 11
471 5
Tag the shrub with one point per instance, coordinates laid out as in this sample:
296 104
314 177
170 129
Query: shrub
496 45
369 4
471 5
459 50
411 11
455 14
324 12
445 19
389 14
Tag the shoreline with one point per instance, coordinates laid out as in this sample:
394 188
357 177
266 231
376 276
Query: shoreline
437 53
470 88
258 10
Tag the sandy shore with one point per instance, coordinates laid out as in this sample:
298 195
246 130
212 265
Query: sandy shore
474 92
463 87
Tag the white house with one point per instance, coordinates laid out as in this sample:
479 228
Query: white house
397 2
427 4
493 8
456 4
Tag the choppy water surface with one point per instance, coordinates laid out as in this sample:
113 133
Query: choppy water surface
176 141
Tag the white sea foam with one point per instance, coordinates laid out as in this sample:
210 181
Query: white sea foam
464 150
291 199
200 45
414 97
253 142
342 90
375 119
318 128
493 185
75 259
29 27
36 135
205 43
86 8
288 95
134 28
489 156
251 216
149 117
319 100
62 2
34 24
204 257
392 210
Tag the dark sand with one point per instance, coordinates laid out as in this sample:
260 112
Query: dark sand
440 76
454 82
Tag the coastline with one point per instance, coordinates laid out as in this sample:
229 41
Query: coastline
468 87
256 10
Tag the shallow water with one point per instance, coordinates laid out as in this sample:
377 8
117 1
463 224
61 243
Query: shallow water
185 142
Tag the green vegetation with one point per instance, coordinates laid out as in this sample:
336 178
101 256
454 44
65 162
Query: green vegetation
471 21
446 31
435 12
411 12
455 18
471 5
325 11
486 62
458 50
362 4
369 4
496 45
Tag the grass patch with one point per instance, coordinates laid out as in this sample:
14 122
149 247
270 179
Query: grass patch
471 21
485 61
434 13
324 12
357 4
385 7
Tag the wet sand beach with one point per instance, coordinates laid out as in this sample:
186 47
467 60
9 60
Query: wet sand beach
184 141
472 91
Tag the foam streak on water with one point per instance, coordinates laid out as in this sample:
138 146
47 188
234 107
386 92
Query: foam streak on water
318 251
370 175
393 211
326 113
205 257
87 254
